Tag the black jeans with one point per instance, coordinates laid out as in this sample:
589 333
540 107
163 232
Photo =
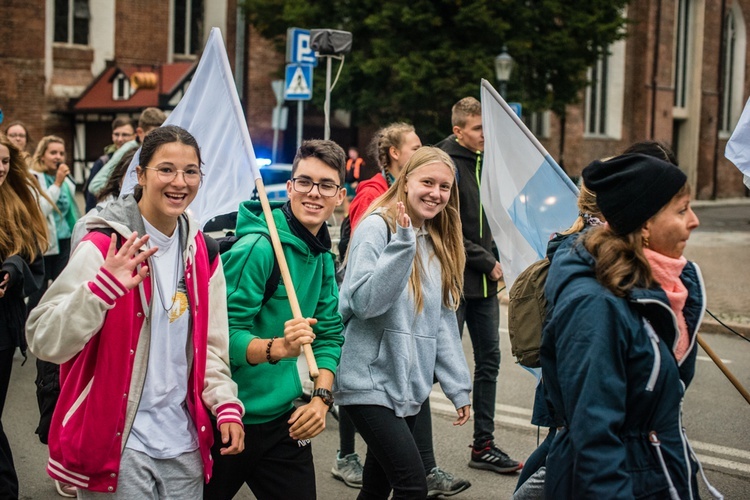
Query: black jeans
273 465
482 317
8 477
422 435
393 461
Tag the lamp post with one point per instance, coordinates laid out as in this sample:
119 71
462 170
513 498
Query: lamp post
503 68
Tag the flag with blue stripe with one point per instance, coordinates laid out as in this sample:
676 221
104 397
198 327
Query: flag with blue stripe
210 110
526 195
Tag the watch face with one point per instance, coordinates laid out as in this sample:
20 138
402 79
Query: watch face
325 395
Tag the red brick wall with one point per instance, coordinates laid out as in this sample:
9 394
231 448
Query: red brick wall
265 64
142 31
22 64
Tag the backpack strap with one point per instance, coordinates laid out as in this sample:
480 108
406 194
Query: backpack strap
212 247
272 283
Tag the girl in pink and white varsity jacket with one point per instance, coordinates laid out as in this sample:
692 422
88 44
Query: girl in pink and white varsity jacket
138 322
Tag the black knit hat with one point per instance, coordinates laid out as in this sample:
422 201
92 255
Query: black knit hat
630 189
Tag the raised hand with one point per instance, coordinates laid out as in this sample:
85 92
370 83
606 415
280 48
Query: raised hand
62 171
401 216
122 263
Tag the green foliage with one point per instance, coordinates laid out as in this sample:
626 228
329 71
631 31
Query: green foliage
412 60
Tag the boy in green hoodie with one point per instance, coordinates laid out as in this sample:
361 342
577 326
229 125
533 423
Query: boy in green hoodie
265 340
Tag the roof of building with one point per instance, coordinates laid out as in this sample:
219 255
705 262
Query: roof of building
98 97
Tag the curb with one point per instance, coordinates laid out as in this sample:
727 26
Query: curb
710 325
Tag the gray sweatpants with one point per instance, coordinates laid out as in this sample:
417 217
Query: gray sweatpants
144 477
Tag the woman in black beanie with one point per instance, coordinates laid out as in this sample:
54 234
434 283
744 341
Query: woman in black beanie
618 349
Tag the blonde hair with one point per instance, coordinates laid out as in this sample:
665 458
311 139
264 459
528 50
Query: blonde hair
621 263
390 136
586 205
23 228
37 162
444 229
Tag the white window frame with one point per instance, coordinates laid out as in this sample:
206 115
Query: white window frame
733 67
71 24
604 99
124 92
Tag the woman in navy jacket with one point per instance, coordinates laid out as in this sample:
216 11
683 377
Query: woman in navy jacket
618 350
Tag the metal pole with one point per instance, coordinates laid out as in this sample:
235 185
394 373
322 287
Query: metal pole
327 107
274 151
299 123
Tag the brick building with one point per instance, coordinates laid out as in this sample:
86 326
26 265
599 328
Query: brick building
55 52
681 76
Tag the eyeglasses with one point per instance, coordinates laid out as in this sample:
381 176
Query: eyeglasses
17 136
192 176
305 185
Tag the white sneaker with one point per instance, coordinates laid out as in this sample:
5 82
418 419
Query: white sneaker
348 470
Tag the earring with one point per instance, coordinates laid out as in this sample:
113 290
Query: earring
645 241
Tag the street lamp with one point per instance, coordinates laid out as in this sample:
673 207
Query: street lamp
503 68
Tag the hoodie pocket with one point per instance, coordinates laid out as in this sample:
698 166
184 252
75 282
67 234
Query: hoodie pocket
397 368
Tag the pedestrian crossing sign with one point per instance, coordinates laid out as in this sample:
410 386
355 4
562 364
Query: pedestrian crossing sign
298 82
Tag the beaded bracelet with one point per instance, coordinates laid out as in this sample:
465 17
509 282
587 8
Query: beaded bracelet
268 352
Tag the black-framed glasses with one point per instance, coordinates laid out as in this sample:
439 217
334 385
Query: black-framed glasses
192 175
305 185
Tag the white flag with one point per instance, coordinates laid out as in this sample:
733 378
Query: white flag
525 194
738 146
210 110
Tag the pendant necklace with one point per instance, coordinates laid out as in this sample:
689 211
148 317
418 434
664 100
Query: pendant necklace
176 278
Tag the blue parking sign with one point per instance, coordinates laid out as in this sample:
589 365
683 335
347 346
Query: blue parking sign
298 49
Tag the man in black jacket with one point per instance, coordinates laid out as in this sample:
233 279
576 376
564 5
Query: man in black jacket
479 307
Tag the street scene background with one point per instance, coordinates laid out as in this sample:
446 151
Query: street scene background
715 414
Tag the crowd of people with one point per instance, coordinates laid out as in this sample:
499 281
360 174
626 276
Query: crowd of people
167 361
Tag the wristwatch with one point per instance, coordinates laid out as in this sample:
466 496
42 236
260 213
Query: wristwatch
325 395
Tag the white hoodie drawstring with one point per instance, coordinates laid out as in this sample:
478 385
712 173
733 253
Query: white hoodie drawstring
654 440
714 492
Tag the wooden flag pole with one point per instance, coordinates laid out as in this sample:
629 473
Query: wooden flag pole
736 383
284 268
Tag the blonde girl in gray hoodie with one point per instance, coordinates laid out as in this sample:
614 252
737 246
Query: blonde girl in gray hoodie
402 286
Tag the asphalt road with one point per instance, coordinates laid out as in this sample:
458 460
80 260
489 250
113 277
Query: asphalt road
716 419
716 416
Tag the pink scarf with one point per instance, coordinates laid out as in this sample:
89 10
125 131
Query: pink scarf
666 271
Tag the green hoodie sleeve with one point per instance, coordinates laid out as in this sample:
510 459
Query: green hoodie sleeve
247 266
328 337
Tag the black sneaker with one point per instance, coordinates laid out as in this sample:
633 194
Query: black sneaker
444 483
490 457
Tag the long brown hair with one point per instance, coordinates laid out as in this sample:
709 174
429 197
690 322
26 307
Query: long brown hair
444 229
23 228
621 264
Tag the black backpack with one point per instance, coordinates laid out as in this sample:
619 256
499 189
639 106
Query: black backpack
222 245
527 307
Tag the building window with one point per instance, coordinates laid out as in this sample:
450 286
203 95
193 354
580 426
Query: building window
596 97
72 21
681 52
188 26
605 94
121 88
538 123
733 68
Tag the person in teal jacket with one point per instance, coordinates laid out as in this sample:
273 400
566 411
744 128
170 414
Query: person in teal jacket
265 340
